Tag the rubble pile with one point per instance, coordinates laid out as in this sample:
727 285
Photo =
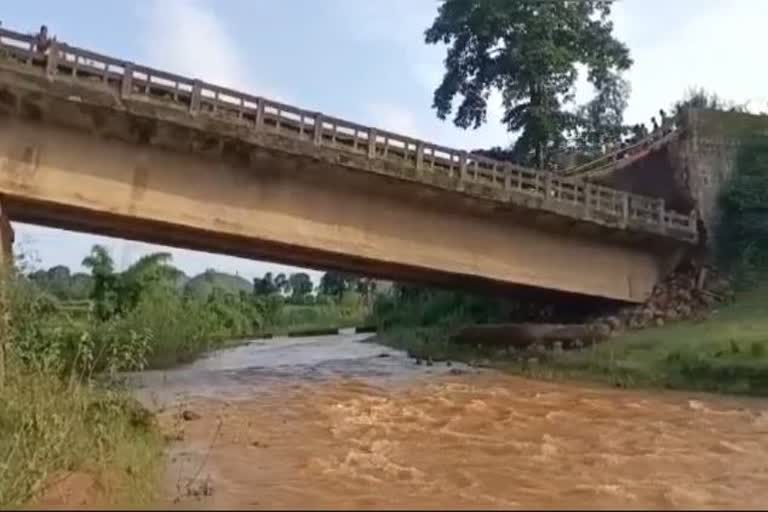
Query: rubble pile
692 293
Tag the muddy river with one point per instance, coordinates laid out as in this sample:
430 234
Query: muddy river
337 422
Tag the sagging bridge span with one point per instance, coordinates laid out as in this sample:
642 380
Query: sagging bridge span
97 144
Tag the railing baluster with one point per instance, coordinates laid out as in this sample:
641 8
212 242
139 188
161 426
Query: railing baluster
372 136
52 59
126 86
318 134
259 113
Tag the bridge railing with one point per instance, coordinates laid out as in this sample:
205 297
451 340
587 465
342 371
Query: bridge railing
135 81
620 156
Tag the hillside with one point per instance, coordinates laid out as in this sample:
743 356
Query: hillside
203 284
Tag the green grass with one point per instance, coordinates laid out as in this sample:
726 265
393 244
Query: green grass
299 318
727 352
50 428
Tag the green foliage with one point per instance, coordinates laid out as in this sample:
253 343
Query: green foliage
201 286
151 314
334 284
727 353
53 418
50 427
700 98
104 292
412 306
742 231
602 119
300 285
61 283
529 52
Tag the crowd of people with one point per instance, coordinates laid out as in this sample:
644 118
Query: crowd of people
639 138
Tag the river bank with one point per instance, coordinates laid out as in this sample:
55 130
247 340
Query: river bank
727 352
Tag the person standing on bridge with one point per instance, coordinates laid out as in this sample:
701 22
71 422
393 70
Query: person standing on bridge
638 134
42 41
666 122
655 128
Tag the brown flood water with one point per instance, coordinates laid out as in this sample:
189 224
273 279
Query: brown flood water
329 423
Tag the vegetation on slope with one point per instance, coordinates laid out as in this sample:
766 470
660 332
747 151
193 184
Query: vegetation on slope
727 352
55 420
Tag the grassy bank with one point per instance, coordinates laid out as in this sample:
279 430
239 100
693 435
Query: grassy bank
55 420
727 352
51 428
293 318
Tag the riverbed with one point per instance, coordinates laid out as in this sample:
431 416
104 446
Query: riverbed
340 422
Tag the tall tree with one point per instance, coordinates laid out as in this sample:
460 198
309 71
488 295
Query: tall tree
281 283
529 51
602 119
102 268
150 270
700 98
300 285
334 284
265 285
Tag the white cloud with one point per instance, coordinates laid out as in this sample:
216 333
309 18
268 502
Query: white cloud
394 118
189 38
716 47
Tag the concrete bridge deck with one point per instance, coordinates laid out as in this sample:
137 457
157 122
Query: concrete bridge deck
93 143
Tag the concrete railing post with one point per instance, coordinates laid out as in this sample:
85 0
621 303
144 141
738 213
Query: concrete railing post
372 142
194 101
259 112
126 86
588 200
463 167
624 209
662 210
52 59
318 133
419 156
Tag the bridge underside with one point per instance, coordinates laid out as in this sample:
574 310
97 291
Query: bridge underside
68 165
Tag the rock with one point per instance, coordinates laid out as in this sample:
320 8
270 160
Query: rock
601 331
659 322
200 489
188 415
456 371
613 322
259 444
532 361
383 354
175 436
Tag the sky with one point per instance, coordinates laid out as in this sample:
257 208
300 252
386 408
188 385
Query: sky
366 61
